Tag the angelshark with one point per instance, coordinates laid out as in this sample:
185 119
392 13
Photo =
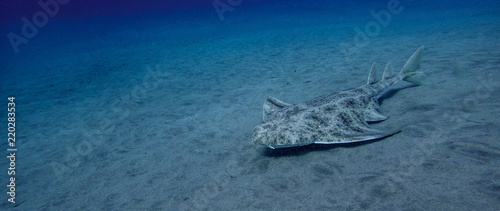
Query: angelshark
335 118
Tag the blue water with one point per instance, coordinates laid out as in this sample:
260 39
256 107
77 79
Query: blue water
152 105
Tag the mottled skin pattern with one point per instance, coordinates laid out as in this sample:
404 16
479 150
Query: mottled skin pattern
334 118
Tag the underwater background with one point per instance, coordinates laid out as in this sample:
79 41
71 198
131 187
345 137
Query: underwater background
152 105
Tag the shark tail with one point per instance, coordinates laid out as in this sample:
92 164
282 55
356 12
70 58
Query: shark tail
409 70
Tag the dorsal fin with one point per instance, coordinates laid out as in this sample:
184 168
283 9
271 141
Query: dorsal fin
373 72
387 71
271 105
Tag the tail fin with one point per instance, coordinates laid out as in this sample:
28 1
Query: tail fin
409 70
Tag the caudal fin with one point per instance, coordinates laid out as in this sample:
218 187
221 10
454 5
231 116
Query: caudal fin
409 70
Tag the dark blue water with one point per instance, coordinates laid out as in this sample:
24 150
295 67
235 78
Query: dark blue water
151 105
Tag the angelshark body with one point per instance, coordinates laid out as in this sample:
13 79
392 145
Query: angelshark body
333 118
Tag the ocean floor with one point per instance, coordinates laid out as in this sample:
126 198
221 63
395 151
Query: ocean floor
155 116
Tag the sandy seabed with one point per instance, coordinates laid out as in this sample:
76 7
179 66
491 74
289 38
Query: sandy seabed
149 126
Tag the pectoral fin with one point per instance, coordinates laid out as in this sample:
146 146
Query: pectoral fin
272 105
